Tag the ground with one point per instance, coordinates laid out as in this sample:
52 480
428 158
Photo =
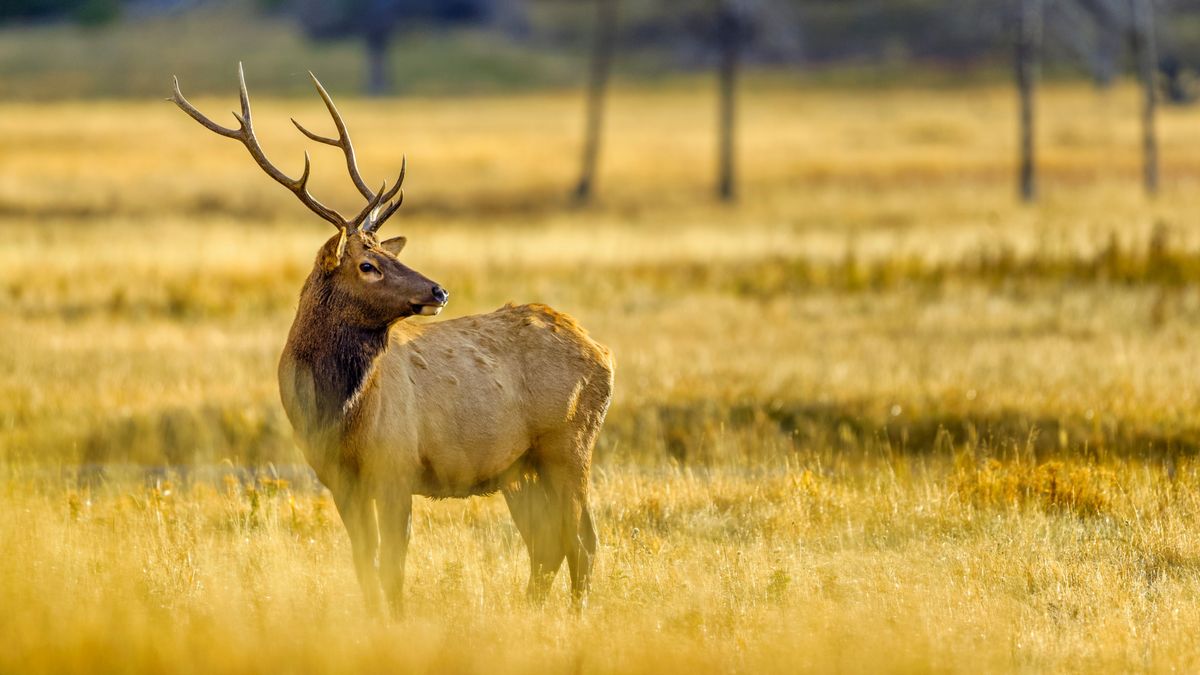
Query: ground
877 415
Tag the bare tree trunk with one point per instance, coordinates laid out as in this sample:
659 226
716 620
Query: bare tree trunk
1146 53
377 76
602 58
1086 30
728 40
1029 38
1110 22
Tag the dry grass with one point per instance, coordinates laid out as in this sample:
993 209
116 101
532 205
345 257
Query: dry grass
877 416
823 561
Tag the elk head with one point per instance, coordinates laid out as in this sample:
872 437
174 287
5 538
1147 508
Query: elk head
354 269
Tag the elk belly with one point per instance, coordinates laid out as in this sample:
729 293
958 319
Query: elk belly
470 443
465 413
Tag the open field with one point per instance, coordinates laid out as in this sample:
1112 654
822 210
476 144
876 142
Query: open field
876 416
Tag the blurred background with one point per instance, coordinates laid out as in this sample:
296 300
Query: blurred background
903 295
797 222
63 49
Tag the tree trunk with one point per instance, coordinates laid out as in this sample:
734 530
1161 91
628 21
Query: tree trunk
377 75
1145 51
602 58
1029 39
728 40
1110 19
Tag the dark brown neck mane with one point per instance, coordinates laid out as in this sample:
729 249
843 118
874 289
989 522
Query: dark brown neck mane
337 353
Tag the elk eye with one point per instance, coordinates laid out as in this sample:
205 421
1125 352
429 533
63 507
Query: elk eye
367 267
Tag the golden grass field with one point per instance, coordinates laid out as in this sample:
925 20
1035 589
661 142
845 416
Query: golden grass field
875 417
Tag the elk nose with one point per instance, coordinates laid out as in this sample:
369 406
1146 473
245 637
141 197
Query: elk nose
440 294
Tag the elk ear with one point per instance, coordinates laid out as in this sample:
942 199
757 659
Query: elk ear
394 245
333 250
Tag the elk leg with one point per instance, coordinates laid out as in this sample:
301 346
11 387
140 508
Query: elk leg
535 511
577 534
570 517
358 515
395 528
581 557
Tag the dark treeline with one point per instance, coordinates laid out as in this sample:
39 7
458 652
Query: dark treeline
1086 32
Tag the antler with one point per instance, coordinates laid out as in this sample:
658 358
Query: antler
369 218
343 142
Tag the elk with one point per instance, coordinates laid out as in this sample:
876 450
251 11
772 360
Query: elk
384 409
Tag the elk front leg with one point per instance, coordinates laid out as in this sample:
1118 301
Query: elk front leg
395 528
357 510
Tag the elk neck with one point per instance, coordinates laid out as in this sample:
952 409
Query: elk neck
335 347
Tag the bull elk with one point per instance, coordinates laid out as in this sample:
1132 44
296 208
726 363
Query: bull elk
385 409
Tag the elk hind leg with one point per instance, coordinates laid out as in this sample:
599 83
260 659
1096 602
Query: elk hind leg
566 458
582 556
535 512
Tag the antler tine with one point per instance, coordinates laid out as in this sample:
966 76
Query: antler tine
372 224
363 219
245 134
383 215
342 141
195 114
399 180
315 137
244 97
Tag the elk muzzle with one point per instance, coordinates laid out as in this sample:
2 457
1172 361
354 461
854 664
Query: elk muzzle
438 297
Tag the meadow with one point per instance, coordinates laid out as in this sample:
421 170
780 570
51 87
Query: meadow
875 416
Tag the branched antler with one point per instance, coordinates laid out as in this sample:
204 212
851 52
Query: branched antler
369 218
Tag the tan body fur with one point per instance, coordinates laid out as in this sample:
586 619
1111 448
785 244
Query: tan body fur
449 409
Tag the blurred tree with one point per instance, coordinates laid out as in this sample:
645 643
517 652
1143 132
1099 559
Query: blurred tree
730 28
724 31
1029 46
376 21
1093 30
85 12
602 57
1146 54
734 28
1178 81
